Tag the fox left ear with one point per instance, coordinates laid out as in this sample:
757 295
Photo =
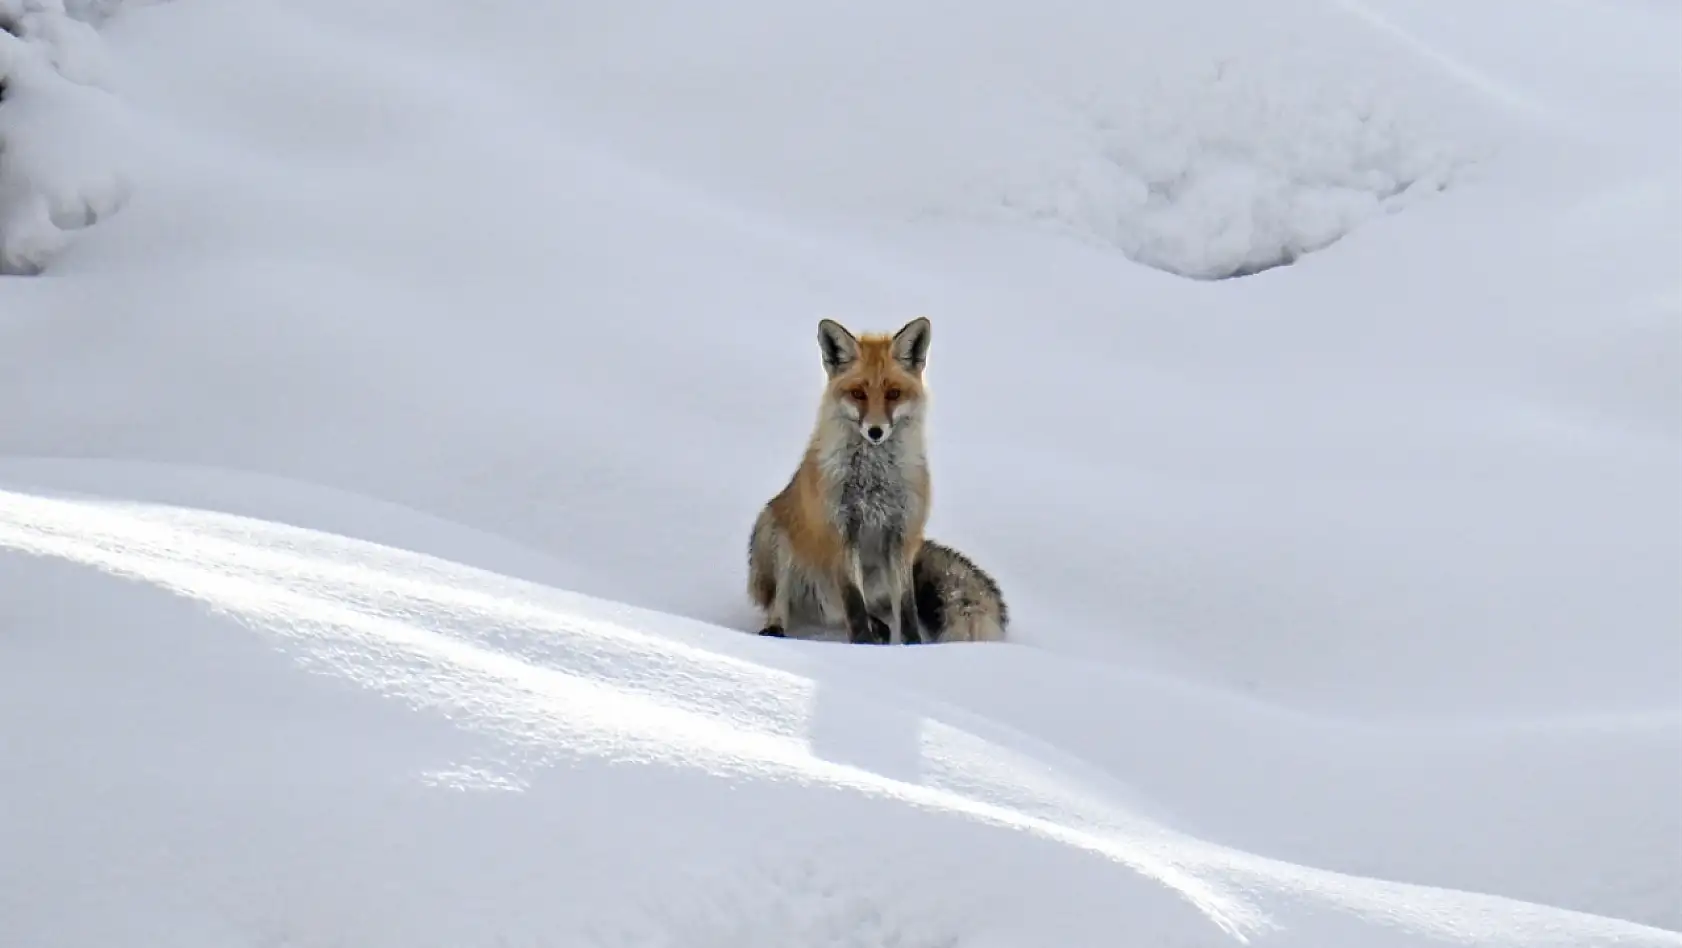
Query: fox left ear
911 344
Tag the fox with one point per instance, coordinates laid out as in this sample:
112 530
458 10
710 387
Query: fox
842 542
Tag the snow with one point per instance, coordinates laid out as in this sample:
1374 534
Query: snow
396 385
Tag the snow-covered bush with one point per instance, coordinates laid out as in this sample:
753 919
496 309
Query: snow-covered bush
1229 169
58 166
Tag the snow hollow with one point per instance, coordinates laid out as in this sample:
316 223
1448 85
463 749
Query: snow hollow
387 390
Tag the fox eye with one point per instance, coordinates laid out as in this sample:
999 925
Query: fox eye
858 394
893 394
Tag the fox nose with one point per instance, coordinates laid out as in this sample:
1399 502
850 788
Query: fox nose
874 433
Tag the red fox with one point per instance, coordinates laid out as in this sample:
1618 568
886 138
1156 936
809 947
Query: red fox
843 542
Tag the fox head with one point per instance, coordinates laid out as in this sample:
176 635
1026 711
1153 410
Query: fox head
875 381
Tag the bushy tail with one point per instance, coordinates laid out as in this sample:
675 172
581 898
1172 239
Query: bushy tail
956 600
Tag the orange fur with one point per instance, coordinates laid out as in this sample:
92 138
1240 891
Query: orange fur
803 513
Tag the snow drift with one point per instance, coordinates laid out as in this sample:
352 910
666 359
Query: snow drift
598 718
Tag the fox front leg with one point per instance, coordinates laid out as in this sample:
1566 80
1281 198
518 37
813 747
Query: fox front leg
901 600
862 627
776 616
905 611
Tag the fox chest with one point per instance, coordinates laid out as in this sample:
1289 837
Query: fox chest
874 504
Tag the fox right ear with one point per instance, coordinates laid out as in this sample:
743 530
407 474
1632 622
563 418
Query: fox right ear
911 344
840 348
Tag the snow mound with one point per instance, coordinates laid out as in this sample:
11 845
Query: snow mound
822 807
1211 170
1207 139
59 142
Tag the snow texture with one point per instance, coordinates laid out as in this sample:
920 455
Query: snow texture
375 486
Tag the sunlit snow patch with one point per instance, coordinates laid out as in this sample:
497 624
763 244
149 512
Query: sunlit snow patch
534 669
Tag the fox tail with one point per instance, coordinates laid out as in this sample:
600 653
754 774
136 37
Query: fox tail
956 600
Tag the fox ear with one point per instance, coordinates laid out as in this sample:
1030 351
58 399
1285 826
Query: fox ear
840 348
911 344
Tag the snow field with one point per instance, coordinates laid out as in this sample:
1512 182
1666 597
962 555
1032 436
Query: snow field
375 485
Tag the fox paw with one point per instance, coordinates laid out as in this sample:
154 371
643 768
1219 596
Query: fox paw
774 631
879 632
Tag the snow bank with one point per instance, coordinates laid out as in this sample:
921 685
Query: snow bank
521 785
60 170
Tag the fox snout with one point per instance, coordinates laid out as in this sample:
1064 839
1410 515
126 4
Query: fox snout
873 413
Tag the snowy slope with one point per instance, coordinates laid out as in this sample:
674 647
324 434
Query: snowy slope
621 777
403 343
